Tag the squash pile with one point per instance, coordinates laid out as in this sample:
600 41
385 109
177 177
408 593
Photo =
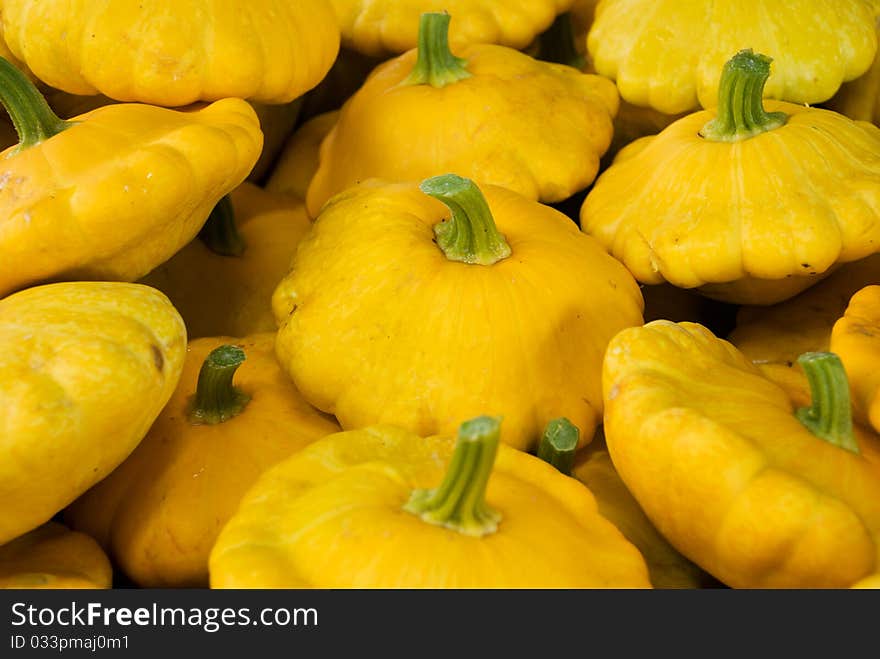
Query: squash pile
471 294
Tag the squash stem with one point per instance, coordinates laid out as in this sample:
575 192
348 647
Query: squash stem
829 417
460 501
216 399
470 235
558 444
435 64
31 115
740 114
557 44
220 233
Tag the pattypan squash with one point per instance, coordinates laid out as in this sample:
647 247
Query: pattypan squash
175 52
53 556
667 54
222 282
860 99
85 369
112 193
381 507
759 492
298 160
381 27
747 204
418 306
488 112
233 415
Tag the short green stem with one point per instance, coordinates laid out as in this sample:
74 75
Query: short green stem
220 233
558 444
470 235
829 416
557 44
740 114
216 399
31 115
460 501
436 65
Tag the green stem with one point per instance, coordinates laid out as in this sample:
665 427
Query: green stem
31 115
829 417
470 235
460 501
216 399
558 444
436 65
740 114
219 233
557 44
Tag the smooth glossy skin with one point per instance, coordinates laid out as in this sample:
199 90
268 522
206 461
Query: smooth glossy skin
714 454
378 326
175 52
298 161
85 369
159 513
332 517
120 191
668 54
52 556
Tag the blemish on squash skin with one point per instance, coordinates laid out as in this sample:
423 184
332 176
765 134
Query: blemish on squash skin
158 359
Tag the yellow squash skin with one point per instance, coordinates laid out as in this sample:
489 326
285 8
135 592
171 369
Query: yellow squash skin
175 52
85 368
120 191
376 325
854 338
534 127
716 457
860 99
668 54
773 337
159 513
331 517
54 557
232 295
749 222
298 161
382 27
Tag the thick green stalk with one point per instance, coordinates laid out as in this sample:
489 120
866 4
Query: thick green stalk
436 65
216 399
558 444
31 115
829 416
220 233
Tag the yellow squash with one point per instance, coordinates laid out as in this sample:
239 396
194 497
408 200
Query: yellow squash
488 112
381 27
159 513
745 205
860 99
175 52
298 161
52 556
222 282
667 54
85 368
112 193
372 508
757 491
420 307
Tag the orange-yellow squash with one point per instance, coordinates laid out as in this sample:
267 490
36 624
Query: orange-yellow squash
298 161
758 492
488 112
53 556
360 510
748 205
222 282
85 369
159 513
175 52
860 99
419 309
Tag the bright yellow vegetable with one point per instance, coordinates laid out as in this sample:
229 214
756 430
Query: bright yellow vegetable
298 161
85 368
159 513
222 282
53 556
860 99
405 309
488 112
175 52
745 205
112 193
668 54
758 492
356 510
